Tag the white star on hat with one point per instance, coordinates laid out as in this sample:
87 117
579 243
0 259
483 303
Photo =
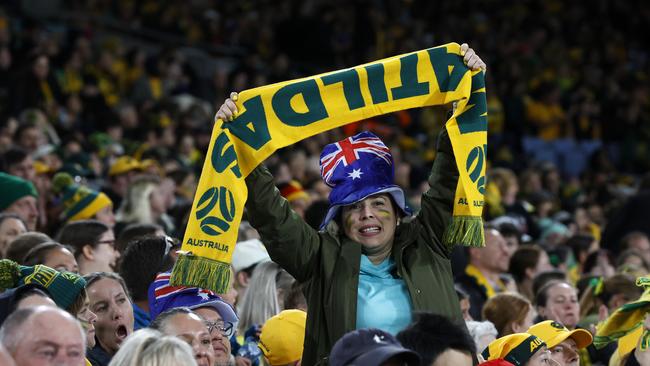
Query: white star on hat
204 295
356 173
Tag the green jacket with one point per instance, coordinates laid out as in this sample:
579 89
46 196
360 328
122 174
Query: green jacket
327 263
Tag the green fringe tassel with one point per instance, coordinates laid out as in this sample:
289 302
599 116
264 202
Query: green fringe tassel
192 270
466 231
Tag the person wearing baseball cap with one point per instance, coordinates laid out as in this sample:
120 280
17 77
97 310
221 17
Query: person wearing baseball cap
518 349
247 255
282 338
563 343
371 347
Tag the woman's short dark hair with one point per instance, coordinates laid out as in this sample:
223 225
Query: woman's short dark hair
78 234
545 277
142 261
431 334
135 231
525 257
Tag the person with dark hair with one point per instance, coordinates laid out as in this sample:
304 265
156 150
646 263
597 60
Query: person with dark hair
135 231
93 243
23 243
11 225
54 255
581 246
526 263
190 327
558 300
372 263
108 298
545 277
294 298
142 261
438 340
17 161
316 212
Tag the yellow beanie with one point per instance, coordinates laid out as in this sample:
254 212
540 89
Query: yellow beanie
79 202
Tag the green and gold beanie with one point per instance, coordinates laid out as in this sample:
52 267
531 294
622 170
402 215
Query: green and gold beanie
14 188
79 202
515 348
64 287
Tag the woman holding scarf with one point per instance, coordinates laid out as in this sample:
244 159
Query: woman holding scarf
372 264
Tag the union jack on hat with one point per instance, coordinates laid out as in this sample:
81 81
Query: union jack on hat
162 296
358 167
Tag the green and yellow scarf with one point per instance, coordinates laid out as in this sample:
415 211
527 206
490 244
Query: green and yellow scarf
278 115
626 323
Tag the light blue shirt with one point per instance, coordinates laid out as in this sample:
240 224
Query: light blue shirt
382 301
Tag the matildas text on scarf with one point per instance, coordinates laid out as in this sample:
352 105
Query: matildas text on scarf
274 116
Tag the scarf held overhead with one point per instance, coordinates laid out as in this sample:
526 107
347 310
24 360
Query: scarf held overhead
274 116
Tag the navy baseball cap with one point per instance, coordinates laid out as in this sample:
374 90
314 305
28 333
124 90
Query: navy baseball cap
369 347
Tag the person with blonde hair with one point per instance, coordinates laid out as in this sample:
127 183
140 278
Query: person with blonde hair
144 203
149 347
265 294
509 312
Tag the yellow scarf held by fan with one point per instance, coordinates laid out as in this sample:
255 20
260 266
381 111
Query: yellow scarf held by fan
274 116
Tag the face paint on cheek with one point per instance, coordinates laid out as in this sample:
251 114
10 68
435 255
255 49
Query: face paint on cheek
385 214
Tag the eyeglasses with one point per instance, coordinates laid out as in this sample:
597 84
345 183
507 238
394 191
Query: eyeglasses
225 328
109 242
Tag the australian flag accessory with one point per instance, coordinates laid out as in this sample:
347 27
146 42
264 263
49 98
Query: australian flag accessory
357 167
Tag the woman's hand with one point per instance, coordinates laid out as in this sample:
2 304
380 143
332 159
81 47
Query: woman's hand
471 59
228 109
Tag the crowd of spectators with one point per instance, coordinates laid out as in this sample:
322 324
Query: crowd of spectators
103 134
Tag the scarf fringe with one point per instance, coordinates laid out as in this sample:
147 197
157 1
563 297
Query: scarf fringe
466 231
191 270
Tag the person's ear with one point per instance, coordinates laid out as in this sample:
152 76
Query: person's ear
88 252
530 273
242 279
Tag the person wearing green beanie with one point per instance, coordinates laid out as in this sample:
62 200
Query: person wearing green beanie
19 197
66 288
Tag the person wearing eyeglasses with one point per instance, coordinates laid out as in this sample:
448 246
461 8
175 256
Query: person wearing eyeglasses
219 317
93 243
188 326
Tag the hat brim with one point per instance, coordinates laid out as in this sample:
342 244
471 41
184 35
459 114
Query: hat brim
379 355
582 338
225 311
395 191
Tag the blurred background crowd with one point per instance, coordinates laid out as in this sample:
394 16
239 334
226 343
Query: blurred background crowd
106 110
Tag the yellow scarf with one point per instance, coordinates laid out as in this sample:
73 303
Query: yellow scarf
483 282
278 115
625 321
